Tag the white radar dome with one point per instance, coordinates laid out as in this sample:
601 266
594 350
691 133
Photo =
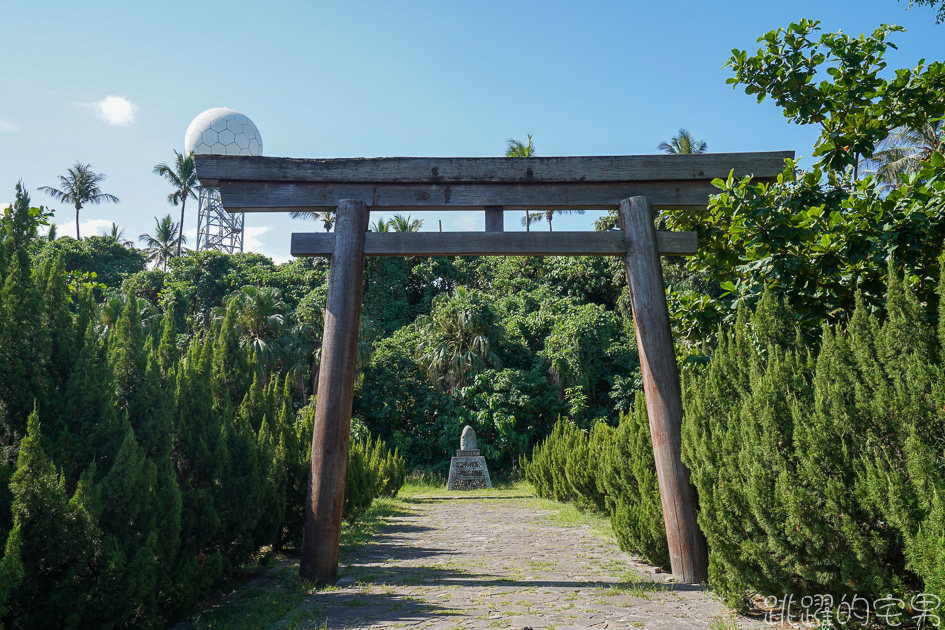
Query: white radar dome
222 131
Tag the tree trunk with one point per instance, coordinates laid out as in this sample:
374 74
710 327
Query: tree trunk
77 208
180 231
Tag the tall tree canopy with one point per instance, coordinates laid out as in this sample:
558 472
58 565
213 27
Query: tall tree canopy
80 186
683 143
183 177
162 245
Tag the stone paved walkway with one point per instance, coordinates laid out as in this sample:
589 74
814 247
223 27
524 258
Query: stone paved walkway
500 563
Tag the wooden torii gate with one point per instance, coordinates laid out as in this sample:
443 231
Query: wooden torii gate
633 185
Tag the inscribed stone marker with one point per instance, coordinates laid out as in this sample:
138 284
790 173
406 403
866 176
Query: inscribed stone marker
468 470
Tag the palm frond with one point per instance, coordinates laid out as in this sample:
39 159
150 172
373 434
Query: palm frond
517 148
684 143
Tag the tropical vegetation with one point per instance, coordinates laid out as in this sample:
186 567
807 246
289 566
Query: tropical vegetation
164 244
684 143
155 422
79 187
142 461
182 175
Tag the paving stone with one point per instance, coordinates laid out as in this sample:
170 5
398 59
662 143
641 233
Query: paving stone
480 563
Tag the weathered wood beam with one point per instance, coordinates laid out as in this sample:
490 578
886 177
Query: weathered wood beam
321 534
213 169
495 219
261 196
687 547
494 244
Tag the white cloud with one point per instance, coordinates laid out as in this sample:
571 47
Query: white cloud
253 243
89 227
251 236
94 227
469 221
190 237
7 126
114 110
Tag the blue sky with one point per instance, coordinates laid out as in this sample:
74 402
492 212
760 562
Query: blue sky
366 79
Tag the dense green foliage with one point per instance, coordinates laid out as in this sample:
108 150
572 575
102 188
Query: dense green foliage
101 255
822 471
373 471
140 464
814 242
818 469
818 237
524 342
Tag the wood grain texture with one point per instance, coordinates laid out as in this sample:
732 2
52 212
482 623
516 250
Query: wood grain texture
325 499
263 196
212 169
495 219
495 244
687 547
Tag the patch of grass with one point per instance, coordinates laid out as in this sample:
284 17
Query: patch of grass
567 515
357 534
255 607
279 591
428 485
720 623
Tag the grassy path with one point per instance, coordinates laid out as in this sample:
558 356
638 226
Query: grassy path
495 559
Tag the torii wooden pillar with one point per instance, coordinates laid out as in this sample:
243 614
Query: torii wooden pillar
627 183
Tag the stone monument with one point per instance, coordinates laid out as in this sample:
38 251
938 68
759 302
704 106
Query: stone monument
468 469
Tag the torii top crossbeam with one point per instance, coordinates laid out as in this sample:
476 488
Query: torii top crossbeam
270 184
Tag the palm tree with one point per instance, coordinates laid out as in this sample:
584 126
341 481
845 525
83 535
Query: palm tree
381 225
456 340
548 215
517 148
51 234
683 144
183 177
299 353
404 224
161 247
262 319
904 150
119 235
79 187
327 217
110 313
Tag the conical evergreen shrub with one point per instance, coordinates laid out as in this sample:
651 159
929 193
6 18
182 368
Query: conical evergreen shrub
628 480
57 541
821 475
360 481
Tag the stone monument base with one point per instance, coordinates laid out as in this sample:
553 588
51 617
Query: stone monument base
468 471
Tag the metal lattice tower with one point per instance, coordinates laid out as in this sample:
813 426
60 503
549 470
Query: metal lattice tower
220 131
217 229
